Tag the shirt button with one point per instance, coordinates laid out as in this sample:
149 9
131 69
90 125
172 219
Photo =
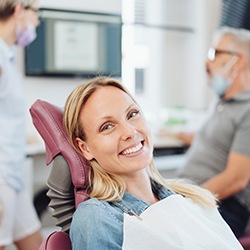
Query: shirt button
220 108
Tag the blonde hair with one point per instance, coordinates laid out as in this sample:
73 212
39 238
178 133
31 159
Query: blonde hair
106 186
7 6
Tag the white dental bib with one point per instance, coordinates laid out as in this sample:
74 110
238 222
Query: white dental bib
177 223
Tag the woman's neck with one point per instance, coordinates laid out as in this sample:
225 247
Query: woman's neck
7 32
140 186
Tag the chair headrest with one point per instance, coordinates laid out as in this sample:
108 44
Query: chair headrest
48 120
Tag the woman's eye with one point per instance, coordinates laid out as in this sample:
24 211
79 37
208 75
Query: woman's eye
106 127
133 114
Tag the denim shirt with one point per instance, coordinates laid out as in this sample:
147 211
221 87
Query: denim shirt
98 224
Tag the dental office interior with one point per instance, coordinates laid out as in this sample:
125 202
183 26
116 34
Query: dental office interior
163 49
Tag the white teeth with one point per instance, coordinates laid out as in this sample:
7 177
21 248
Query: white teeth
132 150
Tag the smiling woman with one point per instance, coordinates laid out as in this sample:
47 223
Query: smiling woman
107 126
120 129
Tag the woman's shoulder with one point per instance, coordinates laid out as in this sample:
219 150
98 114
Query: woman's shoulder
90 210
97 209
96 225
92 213
92 205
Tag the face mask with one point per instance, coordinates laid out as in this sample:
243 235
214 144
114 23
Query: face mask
26 36
219 83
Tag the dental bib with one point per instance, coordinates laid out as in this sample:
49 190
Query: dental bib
178 223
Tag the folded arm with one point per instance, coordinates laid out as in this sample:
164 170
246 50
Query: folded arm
233 179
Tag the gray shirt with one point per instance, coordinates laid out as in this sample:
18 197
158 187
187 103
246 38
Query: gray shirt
226 130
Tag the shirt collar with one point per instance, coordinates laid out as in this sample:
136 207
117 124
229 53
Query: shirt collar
134 206
7 50
243 96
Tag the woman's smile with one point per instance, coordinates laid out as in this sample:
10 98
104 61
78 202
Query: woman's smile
132 150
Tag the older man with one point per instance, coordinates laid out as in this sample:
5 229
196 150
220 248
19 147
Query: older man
219 157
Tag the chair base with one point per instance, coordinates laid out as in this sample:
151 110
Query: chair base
245 241
56 241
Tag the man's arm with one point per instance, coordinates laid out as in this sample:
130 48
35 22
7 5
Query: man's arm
233 179
186 137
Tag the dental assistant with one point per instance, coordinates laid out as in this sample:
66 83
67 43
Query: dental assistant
19 222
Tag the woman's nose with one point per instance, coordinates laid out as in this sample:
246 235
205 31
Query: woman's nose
127 131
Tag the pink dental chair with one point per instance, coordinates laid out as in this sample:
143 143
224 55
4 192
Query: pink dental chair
245 241
68 179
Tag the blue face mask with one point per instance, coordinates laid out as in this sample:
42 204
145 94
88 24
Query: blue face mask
220 85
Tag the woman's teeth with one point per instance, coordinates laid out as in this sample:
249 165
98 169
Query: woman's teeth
132 150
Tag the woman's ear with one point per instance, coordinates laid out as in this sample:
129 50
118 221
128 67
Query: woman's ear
85 149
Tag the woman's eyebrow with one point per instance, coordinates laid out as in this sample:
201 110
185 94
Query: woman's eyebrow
108 117
129 107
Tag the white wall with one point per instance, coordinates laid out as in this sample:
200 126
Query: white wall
171 48
186 85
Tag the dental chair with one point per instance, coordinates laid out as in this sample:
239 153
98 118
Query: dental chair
245 240
68 179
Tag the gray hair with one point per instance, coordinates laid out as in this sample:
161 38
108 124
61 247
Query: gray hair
240 39
7 6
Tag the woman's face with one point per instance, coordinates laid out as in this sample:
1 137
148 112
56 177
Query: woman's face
117 135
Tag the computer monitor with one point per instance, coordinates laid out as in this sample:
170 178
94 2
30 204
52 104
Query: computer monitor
74 43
